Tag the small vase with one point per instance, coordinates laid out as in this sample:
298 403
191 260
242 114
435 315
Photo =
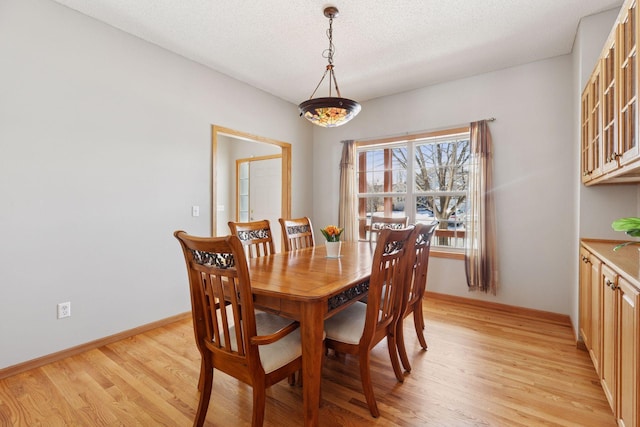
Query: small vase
333 249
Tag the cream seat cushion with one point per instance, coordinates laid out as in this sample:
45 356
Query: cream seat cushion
347 326
279 353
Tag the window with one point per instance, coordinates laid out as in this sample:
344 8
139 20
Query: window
423 177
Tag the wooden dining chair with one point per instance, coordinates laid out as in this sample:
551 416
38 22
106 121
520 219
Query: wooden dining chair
257 241
297 233
379 223
257 348
359 327
415 287
256 237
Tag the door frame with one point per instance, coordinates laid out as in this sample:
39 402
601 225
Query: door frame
286 169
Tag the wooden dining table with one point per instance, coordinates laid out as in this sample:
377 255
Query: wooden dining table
309 287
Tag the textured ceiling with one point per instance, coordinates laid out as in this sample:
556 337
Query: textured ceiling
382 47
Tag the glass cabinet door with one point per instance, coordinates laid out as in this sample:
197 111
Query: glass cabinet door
628 123
610 153
584 136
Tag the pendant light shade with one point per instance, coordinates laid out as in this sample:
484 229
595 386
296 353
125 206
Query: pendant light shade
329 111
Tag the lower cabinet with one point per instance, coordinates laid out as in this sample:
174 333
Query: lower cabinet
608 360
610 325
595 351
628 369
585 297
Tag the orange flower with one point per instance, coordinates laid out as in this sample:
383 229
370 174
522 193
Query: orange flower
332 233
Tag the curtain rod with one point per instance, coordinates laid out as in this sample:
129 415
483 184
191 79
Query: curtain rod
490 119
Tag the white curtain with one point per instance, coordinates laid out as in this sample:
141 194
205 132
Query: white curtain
480 251
348 206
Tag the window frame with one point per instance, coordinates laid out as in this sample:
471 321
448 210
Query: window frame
410 195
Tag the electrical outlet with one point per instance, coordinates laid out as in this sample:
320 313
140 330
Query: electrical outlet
64 310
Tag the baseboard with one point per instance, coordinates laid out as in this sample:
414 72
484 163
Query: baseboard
41 361
580 345
53 357
562 319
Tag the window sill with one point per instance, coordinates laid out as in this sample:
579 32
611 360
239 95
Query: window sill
439 253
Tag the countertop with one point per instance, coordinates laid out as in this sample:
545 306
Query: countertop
626 260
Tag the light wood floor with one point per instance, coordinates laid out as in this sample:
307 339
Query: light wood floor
484 367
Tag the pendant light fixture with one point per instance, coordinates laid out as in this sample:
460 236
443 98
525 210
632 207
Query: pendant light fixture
330 111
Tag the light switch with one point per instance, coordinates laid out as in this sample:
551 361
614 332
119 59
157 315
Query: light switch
195 210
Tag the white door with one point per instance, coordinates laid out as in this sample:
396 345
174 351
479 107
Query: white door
265 194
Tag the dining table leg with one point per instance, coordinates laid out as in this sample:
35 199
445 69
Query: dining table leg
312 335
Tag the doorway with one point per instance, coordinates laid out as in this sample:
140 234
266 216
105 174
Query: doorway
226 143
258 191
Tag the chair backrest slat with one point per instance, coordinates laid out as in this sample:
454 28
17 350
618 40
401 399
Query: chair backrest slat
222 303
417 280
221 315
218 306
387 282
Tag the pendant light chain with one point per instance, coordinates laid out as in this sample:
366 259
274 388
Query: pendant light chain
332 75
330 54
329 111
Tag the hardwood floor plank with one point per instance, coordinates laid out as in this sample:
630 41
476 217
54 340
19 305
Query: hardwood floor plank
485 366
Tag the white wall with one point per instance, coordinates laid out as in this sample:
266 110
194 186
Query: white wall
542 208
105 144
533 168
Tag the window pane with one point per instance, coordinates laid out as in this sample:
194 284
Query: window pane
437 165
374 171
244 187
399 169
244 170
450 232
442 166
398 206
386 177
373 206
449 238
424 214
445 208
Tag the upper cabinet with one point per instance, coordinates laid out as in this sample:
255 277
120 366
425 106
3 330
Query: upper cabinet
609 71
609 108
591 127
628 94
